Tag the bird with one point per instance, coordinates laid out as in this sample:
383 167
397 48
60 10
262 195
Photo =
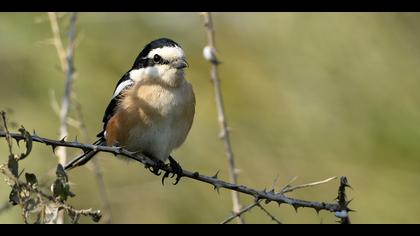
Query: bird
152 108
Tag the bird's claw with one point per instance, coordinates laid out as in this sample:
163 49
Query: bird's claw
176 171
155 169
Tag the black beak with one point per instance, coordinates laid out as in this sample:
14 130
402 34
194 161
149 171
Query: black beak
180 64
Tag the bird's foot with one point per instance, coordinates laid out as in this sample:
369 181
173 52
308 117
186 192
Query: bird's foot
176 170
156 167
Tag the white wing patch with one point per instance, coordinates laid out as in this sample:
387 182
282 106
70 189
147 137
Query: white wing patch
167 53
122 86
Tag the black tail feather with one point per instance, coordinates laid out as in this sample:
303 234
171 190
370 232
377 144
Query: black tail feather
85 157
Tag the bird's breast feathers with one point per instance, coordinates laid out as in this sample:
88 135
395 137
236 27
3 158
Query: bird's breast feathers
156 118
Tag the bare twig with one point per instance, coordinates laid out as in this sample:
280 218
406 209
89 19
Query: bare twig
57 40
7 134
65 105
239 213
78 123
273 218
289 188
214 181
249 207
210 55
103 195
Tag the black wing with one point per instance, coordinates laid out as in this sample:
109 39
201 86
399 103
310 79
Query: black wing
126 82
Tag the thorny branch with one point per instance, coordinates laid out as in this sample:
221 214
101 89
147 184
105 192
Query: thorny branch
286 189
343 214
210 55
269 196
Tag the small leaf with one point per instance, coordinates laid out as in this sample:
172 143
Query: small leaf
61 173
60 187
28 141
31 179
14 195
13 165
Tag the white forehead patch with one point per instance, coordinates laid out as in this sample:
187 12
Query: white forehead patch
167 53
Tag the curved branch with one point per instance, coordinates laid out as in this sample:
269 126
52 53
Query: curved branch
214 181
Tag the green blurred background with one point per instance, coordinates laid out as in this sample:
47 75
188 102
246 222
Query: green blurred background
311 95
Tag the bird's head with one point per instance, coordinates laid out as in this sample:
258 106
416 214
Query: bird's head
162 59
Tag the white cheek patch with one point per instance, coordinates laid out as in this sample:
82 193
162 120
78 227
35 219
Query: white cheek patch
168 53
137 75
140 74
121 87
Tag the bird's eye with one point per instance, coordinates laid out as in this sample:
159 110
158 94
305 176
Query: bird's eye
157 58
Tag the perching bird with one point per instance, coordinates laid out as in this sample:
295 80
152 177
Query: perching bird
153 105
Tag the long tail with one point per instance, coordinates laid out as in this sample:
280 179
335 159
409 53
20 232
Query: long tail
85 157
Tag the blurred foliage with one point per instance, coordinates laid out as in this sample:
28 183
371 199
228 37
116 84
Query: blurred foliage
312 95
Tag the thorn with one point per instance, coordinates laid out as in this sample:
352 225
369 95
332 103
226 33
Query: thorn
264 190
348 186
296 207
75 139
196 174
267 201
272 191
53 147
17 142
217 187
317 210
63 139
279 203
216 175
350 210
34 133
